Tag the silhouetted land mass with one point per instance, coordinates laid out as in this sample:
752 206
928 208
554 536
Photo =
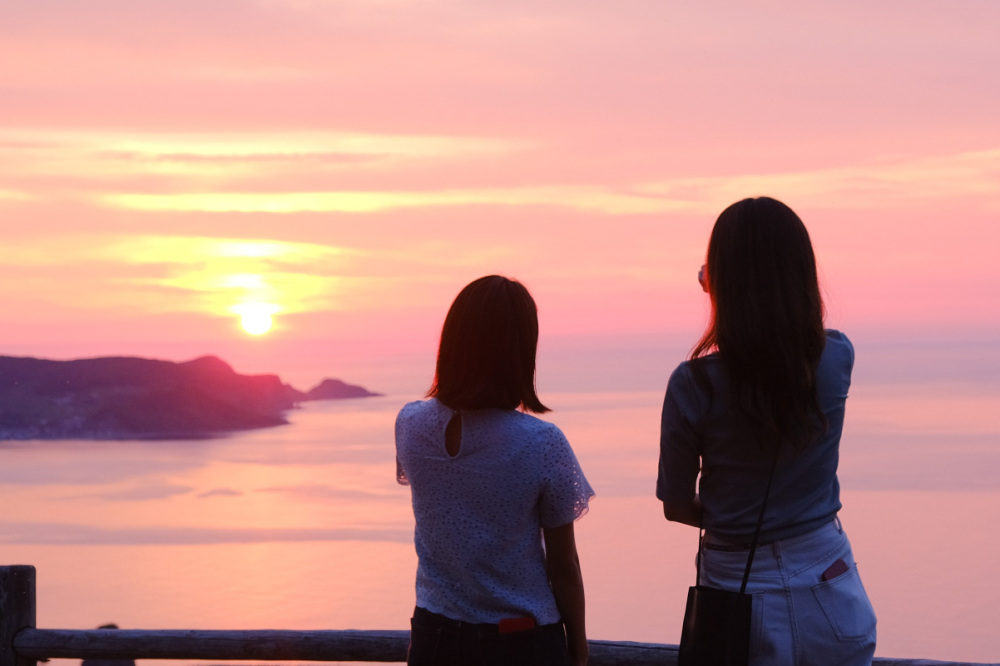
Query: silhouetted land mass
139 398
334 389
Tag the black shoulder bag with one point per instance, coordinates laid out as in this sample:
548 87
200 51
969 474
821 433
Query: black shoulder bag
716 629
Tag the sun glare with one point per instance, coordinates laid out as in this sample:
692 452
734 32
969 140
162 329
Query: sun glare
256 317
256 323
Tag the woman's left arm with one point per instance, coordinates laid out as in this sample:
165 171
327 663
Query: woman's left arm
566 578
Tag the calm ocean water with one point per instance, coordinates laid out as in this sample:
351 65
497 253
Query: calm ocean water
304 527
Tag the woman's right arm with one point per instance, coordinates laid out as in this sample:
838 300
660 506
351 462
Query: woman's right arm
688 513
680 463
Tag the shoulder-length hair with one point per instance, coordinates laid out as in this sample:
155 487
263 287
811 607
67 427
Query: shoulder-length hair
487 353
767 318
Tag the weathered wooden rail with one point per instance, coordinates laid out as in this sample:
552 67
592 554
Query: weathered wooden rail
23 644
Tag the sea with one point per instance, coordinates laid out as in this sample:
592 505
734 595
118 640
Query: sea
303 526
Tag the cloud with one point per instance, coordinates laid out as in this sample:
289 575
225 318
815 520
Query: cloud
13 195
887 183
68 534
252 171
221 492
877 185
146 249
599 199
194 273
324 492
156 249
118 154
251 74
146 491
295 144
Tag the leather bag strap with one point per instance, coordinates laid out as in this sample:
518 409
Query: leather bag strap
760 522
756 532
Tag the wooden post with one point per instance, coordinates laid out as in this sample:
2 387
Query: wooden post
17 610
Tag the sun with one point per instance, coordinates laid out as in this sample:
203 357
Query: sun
256 317
256 323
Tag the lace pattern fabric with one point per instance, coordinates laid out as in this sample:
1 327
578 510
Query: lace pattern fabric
479 514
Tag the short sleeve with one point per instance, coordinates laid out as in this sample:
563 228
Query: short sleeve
839 347
566 493
400 474
680 454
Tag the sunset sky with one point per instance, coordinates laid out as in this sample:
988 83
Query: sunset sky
346 166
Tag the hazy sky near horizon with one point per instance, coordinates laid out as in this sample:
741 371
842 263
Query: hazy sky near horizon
348 165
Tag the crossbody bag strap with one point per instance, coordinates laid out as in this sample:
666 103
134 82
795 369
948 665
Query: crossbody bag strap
760 522
697 569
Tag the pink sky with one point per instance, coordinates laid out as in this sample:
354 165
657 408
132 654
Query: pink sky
350 164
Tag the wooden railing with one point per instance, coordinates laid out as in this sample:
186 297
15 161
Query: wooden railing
22 644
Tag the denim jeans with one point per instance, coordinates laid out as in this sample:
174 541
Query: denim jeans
436 640
809 605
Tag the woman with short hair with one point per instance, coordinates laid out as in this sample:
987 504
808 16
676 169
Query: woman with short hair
495 493
765 388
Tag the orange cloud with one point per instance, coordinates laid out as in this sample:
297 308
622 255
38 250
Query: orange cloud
889 183
899 182
208 158
197 274
598 199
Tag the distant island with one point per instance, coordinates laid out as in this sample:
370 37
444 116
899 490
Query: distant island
141 398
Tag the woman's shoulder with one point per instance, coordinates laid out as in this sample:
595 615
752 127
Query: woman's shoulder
696 371
414 407
837 337
692 385
526 430
838 344
421 409
530 422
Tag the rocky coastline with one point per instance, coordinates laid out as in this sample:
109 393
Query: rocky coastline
141 398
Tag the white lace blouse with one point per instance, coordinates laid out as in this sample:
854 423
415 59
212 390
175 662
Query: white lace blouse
479 514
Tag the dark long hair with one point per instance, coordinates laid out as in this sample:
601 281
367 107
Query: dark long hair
487 352
767 318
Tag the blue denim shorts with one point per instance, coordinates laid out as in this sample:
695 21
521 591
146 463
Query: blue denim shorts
809 605
436 640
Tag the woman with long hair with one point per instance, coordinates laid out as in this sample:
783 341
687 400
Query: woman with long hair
765 389
495 494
